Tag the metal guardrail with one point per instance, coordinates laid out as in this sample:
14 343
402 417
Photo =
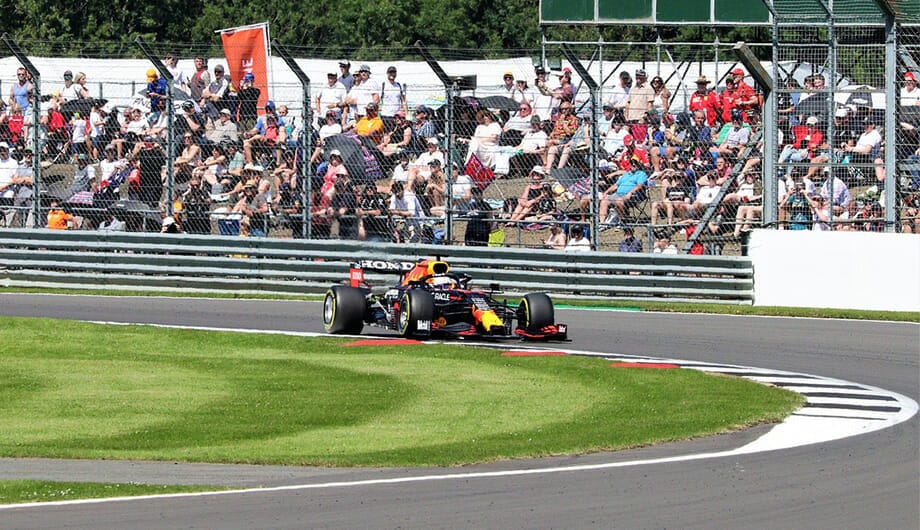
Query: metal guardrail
162 262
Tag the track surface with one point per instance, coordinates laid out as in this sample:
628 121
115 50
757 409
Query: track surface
868 481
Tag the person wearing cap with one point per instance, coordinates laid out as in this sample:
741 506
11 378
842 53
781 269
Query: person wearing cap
406 210
746 97
565 91
248 96
253 205
156 88
71 91
345 76
423 129
373 224
910 94
733 137
84 178
531 149
392 98
330 127
434 193
507 87
542 99
531 195
189 120
638 104
225 130
331 98
212 97
805 144
200 79
364 91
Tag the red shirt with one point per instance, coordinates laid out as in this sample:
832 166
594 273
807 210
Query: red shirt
729 100
744 91
708 103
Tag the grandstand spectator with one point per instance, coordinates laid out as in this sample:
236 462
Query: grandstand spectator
564 129
330 127
423 130
531 149
531 194
638 104
705 101
750 207
8 168
517 125
484 139
331 97
346 78
433 196
156 89
223 130
343 208
746 98
629 243
151 158
797 207
736 137
392 97
619 96
406 211
507 87
373 224
364 91
577 240
841 192
266 134
460 189
419 169
398 137
706 192
522 92
180 80
79 126
614 138
628 191
200 79
565 91
253 205
213 97
806 143
556 239
543 103
663 244
58 219
910 94
191 121
71 91
868 141
21 91
249 102
677 186
369 125
661 100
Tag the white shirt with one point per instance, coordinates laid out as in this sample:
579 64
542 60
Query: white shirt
578 245
364 94
391 98
618 97
328 130
534 140
871 138
460 186
910 97
613 141
8 169
331 95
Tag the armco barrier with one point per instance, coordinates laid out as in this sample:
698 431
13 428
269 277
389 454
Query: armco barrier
138 261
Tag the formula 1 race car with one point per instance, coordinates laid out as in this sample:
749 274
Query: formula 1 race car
429 300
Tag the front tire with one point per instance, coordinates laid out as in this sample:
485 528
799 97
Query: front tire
343 310
416 308
535 312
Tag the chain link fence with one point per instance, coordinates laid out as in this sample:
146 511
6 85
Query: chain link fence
531 148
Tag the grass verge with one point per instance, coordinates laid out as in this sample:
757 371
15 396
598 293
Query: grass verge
82 390
24 491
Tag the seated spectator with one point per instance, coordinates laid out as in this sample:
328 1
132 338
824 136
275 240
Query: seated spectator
224 129
556 239
58 219
750 203
406 211
628 191
479 225
373 222
707 191
254 208
188 160
111 224
798 208
531 149
630 242
564 129
577 240
736 137
518 125
663 244
399 138
531 195
84 178
677 187
343 208
369 125
484 139
435 190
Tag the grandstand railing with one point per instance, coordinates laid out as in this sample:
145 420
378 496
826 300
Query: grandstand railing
176 263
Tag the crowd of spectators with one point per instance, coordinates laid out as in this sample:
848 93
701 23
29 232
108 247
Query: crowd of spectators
240 165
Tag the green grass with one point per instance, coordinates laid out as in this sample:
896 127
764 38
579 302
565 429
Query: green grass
79 390
24 491
656 306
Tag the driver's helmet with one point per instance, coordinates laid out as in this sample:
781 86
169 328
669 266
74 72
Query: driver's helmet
442 282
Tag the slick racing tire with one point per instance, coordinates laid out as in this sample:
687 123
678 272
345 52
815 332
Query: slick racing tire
343 310
535 312
416 308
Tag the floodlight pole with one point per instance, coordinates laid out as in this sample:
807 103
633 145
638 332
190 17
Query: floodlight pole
170 119
306 142
36 121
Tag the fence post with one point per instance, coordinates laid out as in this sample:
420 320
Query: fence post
36 126
170 119
306 140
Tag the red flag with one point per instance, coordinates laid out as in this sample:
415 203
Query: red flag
246 49
479 172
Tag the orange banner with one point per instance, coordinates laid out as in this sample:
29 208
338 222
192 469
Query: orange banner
246 50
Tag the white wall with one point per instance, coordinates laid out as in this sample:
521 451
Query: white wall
848 270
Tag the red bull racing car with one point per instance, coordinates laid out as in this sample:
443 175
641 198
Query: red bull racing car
430 300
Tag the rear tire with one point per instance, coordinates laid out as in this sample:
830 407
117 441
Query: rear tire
343 310
415 306
535 312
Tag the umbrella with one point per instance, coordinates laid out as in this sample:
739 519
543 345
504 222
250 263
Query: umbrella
799 71
814 105
358 155
83 106
499 103
179 97
861 96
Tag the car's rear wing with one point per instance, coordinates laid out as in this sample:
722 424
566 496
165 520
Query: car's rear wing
356 272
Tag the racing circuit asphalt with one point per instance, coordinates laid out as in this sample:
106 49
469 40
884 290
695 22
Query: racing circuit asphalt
866 481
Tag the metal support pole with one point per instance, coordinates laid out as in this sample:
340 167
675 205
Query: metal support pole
170 120
306 142
829 87
770 184
36 125
891 121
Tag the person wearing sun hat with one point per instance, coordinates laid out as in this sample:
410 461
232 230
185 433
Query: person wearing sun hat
507 88
705 100
531 194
